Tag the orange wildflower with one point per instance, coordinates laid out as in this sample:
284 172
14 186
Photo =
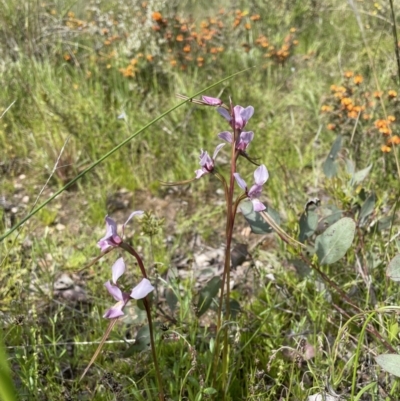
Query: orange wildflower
391 118
366 116
392 94
325 108
149 58
133 61
179 38
378 94
156 16
352 114
255 17
331 127
236 22
67 57
186 49
394 140
346 101
293 30
295 42
385 149
248 26
348 74
173 62
358 79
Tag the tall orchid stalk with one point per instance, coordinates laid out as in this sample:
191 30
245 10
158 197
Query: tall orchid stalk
141 291
237 117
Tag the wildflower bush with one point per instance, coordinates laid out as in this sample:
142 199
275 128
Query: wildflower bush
259 254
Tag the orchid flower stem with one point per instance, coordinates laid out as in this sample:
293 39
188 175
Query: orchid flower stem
146 304
139 260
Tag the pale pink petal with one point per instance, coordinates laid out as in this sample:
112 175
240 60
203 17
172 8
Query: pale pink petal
118 269
115 311
240 181
200 173
261 175
142 289
114 291
247 113
217 149
212 101
226 136
257 205
224 113
135 213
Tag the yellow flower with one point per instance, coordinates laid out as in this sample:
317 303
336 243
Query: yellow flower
358 79
392 94
156 16
348 74
385 149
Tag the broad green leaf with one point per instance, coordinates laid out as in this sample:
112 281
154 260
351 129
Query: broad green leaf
308 224
207 295
334 242
393 270
257 224
360 175
390 363
330 167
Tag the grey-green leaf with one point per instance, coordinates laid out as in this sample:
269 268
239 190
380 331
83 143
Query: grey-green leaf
390 363
330 167
257 224
334 242
207 294
308 224
393 270
359 176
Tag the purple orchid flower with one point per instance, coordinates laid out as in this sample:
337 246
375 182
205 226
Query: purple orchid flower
260 178
212 101
242 142
112 238
122 298
242 115
206 162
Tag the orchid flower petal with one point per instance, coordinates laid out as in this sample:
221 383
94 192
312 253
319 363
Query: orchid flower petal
212 101
118 269
115 311
261 175
255 191
244 140
135 213
224 113
200 173
247 113
217 149
114 291
257 205
226 136
142 289
240 181
111 238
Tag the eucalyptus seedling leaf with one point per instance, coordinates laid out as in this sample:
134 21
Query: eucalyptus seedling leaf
393 270
207 294
334 242
330 167
257 224
390 363
308 224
